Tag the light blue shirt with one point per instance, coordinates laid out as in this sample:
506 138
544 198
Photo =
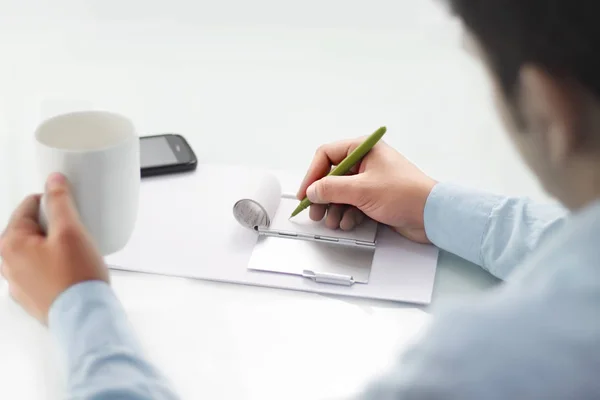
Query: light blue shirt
537 336
103 359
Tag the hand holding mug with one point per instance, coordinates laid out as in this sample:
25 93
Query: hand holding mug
88 210
39 266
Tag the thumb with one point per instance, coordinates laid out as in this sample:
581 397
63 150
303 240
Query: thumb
336 189
60 207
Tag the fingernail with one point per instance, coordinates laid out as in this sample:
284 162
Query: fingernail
55 180
304 180
301 186
311 193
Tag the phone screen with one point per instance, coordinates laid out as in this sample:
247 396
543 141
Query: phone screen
156 151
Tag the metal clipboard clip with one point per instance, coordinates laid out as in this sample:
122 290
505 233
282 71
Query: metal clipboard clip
314 238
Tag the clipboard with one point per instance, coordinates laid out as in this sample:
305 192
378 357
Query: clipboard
265 209
325 256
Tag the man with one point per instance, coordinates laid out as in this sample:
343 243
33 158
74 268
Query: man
537 336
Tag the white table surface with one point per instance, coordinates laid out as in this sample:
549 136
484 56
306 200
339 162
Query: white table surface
261 83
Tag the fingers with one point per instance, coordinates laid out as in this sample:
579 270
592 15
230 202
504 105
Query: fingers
317 212
60 206
335 213
337 189
25 217
338 216
326 156
351 219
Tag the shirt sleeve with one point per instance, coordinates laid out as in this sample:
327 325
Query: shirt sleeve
494 232
103 359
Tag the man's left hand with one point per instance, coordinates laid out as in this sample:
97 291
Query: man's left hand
38 266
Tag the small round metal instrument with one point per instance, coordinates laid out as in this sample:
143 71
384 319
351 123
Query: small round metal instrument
251 214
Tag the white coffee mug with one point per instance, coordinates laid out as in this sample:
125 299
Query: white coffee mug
99 154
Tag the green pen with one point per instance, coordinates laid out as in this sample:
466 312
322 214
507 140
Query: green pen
350 161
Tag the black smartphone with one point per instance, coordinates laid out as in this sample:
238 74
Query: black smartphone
167 153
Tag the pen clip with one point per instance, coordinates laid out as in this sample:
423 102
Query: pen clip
334 279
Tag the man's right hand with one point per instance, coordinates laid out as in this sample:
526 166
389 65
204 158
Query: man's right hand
385 186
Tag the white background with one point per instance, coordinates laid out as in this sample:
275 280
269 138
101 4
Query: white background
261 83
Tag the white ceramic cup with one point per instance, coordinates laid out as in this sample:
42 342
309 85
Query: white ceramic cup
99 154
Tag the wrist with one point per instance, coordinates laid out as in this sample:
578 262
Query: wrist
424 194
76 315
410 219
65 298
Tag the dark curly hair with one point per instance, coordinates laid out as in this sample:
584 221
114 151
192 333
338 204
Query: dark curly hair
560 36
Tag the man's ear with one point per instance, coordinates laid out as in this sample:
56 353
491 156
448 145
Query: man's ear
552 110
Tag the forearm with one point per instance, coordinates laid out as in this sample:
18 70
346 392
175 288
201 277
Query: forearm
495 232
102 357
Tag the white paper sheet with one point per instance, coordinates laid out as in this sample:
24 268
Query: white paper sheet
186 228
185 225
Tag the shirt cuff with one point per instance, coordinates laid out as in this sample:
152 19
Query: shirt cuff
88 317
457 218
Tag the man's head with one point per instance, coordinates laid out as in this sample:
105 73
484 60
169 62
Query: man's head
544 59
